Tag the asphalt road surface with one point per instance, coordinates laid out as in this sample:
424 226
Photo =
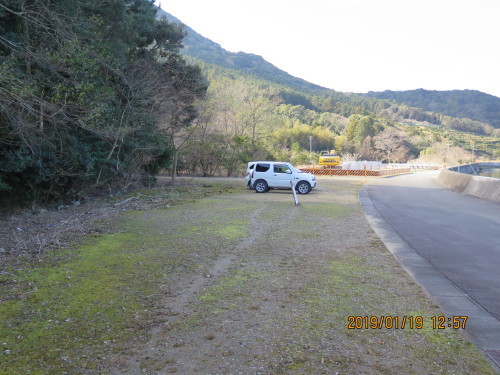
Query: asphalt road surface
457 234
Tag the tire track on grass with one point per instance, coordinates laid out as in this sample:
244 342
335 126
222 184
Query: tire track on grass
178 305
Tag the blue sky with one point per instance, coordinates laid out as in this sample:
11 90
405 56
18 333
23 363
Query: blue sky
360 45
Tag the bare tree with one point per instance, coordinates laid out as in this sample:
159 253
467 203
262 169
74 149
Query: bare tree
391 145
175 106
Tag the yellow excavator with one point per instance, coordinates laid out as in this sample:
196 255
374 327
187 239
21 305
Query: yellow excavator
329 159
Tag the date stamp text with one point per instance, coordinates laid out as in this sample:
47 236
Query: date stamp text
405 322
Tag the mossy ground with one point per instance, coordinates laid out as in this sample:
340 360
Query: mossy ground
235 283
71 313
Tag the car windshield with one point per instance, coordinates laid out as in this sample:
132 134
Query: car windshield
294 169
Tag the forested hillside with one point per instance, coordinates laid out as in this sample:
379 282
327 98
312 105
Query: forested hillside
91 93
246 118
247 115
202 49
471 104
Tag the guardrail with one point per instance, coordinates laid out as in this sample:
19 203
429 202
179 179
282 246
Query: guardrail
356 172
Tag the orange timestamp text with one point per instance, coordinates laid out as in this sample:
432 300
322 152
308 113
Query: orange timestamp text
405 322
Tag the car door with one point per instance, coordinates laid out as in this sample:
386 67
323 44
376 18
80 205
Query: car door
282 175
261 171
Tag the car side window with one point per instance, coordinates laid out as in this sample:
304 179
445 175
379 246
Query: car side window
280 168
262 167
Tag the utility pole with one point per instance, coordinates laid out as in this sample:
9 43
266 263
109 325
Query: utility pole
310 148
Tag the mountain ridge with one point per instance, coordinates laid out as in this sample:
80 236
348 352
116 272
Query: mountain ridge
472 104
202 48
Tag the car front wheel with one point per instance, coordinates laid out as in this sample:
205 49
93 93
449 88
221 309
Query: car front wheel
260 186
303 187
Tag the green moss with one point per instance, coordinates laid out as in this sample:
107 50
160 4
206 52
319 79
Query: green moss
82 302
99 296
229 286
234 230
326 209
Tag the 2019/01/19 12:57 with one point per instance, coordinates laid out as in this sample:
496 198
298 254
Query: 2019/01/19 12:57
405 322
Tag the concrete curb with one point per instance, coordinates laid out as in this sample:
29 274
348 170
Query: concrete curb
483 330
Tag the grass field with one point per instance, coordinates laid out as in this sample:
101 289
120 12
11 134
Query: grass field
233 282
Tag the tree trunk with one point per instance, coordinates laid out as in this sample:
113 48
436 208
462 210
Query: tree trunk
174 167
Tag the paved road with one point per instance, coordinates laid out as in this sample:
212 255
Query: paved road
449 242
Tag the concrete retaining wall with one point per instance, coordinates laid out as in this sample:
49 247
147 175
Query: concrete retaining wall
467 168
454 180
474 168
478 186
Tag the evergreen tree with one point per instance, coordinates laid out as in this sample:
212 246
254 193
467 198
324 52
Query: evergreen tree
81 83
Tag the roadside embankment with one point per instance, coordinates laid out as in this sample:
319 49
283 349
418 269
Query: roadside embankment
478 186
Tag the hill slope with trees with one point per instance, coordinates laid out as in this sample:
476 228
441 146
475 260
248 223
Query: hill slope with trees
202 49
248 116
245 118
470 104
89 95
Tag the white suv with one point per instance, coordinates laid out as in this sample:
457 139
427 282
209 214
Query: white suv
265 175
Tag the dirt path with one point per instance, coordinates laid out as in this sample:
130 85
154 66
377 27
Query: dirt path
276 297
